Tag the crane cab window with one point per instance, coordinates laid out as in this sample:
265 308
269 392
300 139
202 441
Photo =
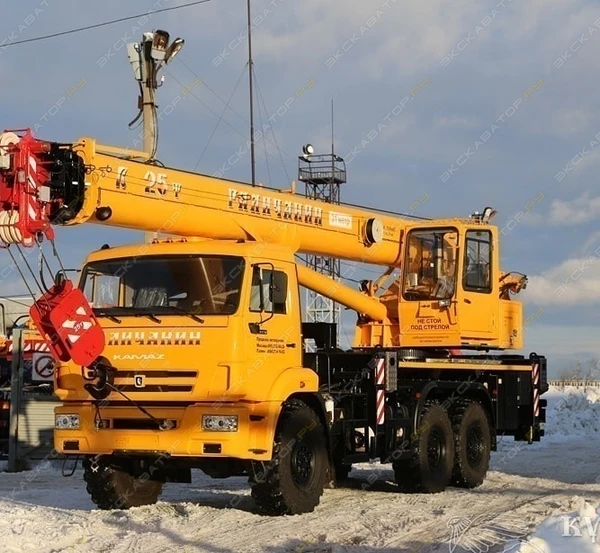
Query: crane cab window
269 291
430 264
478 261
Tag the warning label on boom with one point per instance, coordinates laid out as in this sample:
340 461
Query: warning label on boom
429 323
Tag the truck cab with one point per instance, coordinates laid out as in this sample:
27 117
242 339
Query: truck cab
207 332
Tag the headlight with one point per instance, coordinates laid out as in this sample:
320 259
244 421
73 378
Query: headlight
220 423
66 422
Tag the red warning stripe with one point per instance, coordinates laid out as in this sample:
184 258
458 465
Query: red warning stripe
535 377
379 366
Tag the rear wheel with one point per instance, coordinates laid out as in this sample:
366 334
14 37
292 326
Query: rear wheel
472 439
292 482
430 468
112 486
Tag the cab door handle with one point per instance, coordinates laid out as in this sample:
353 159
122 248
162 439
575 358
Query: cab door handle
467 300
290 345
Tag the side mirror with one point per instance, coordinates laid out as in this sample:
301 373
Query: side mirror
278 288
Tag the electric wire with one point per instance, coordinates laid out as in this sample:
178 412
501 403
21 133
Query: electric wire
212 90
103 24
218 96
226 105
258 89
8 298
270 180
38 284
193 94
21 273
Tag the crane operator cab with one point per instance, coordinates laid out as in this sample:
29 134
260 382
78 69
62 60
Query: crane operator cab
451 292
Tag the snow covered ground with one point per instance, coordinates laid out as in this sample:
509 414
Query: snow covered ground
521 508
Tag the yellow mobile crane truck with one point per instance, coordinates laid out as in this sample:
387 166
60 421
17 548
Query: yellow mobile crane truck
187 352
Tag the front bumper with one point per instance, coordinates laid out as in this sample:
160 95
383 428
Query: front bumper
252 440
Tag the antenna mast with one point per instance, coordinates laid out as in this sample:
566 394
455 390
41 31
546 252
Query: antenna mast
251 86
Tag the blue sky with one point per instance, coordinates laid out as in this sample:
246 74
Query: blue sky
465 103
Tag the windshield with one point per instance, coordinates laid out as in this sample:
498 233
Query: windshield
202 285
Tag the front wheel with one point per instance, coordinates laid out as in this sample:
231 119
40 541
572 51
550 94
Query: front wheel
112 486
292 482
430 468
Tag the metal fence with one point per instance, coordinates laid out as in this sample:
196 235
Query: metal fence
575 383
31 425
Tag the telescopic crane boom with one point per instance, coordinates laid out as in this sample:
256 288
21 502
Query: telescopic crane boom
46 183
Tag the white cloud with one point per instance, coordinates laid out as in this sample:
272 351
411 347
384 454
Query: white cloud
575 281
407 36
458 122
566 122
568 213
593 240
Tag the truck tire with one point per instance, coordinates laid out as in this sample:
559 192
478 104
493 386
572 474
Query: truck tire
340 470
472 444
430 468
111 487
293 481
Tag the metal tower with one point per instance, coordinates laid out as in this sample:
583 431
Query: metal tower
322 175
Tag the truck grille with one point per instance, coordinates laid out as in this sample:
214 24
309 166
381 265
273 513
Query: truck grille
159 381
148 388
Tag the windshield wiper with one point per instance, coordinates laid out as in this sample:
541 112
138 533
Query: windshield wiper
188 313
151 316
111 317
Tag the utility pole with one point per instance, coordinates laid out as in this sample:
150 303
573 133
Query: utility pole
147 58
251 86
149 85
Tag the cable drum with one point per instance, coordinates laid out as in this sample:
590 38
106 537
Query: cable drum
373 231
7 139
9 233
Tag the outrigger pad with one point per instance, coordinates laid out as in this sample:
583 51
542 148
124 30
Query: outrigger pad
64 317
